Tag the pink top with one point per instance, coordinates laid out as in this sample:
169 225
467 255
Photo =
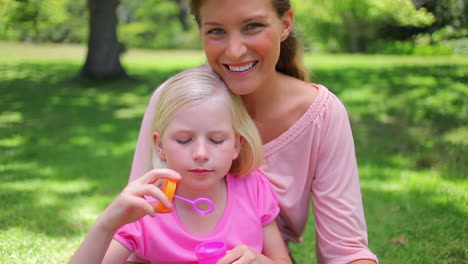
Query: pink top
315 159
251 204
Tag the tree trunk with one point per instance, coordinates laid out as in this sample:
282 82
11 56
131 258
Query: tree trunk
352 32
103 58
183 13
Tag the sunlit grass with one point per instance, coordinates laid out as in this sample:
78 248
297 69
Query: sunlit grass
66 147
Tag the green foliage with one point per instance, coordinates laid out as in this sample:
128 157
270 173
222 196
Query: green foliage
349 26
400 12
155 24
438 49
451 13
394 47
445 41
148 24
42 20
408 48
335 26
456 39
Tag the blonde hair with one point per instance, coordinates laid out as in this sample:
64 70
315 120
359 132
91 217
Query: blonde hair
194 85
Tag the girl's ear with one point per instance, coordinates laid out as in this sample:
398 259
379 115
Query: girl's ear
157 141
237 146
287 20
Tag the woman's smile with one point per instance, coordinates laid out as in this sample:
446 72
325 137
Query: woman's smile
240 67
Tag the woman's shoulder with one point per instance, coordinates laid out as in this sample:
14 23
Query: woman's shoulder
329 105
326 109
326 103
310 99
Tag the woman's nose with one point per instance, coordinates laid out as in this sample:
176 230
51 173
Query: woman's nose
200 153
236 48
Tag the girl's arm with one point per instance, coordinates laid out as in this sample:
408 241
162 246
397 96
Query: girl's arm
274 250
129 206
96 246
273 244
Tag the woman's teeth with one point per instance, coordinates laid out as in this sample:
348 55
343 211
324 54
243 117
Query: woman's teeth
241 68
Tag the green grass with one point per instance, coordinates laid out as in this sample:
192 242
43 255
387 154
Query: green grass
66 148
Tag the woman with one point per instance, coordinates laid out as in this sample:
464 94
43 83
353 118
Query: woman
309 149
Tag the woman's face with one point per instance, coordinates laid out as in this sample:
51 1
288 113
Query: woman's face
242 41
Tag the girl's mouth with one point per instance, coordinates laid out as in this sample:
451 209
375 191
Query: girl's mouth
200 170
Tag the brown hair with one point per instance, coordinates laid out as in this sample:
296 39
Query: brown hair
289 61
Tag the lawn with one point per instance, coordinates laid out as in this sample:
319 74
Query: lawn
66 148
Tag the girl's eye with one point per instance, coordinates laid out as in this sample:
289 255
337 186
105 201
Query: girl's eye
217 141
183 141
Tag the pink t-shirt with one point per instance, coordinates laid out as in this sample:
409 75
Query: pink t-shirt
251 204
313 160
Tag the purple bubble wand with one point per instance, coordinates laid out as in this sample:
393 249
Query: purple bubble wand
196 202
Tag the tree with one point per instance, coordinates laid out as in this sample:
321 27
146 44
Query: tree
447 12
33 20
103 57
350 25
183 13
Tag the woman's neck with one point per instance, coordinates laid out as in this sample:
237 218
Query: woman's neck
264 97
278 104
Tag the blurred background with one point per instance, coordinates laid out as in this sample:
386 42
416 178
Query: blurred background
419 27
76 77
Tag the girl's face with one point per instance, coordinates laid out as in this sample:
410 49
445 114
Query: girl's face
200 143
242 40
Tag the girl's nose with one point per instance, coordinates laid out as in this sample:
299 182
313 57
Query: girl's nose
236 48
200 153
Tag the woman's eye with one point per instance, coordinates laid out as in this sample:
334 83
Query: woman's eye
183 141
216 31
253 26
217 141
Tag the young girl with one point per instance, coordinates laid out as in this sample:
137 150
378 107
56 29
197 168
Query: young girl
308 142
204 135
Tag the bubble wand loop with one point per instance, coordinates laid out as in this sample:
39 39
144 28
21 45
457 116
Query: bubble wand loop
196 201
169 189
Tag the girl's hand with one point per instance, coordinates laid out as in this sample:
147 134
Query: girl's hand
130 205
241 254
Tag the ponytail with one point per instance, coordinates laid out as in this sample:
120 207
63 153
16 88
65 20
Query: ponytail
290 59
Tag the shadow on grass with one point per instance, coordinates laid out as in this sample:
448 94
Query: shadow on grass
415 226
404 226
417 112
55 133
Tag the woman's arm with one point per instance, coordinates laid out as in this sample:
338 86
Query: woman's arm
363 261
142 156
339 215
